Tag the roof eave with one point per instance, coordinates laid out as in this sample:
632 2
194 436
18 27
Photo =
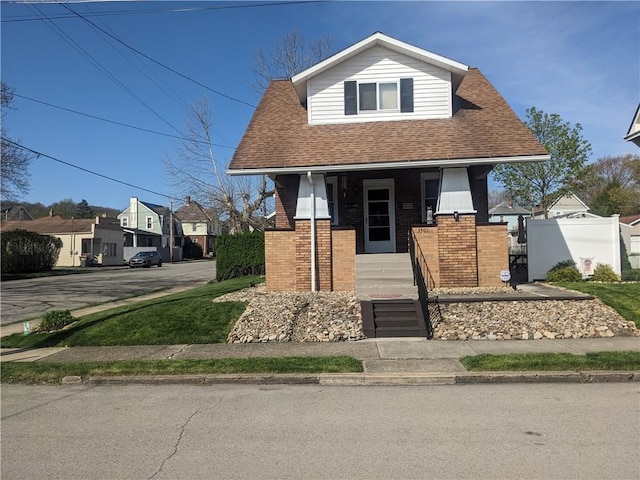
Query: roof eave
448 162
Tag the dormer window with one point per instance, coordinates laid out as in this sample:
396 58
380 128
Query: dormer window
378 96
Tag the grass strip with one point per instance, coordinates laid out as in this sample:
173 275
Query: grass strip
50 373
183 318
552 361
622 297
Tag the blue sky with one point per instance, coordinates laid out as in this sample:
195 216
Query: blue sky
580 60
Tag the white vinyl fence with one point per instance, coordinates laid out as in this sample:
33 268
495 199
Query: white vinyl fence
586 241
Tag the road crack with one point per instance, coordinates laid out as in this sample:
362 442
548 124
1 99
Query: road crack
175 447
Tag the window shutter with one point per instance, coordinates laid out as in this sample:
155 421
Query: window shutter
350 98
406 94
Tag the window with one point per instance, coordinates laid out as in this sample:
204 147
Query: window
109 249
377 96
634 244
124 221
332 198
149 222
430 193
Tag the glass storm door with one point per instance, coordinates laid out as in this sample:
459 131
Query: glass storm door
379 218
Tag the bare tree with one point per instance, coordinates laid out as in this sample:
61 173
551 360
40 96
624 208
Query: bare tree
195 171
14 170
291 55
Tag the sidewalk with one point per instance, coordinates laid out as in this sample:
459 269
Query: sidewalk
392 361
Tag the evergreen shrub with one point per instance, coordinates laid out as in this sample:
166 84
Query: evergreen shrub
604 273
239 255
26 252
55 320
565 271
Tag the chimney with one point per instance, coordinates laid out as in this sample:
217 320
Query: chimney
187 200
51 212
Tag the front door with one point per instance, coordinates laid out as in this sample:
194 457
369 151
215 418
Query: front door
379 216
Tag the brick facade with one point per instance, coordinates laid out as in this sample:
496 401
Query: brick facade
463 254
288 258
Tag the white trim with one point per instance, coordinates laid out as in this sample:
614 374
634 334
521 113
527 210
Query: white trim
379 38
347 167
332 182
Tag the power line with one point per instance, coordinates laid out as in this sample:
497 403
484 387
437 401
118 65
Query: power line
71 42
40 154
160 63
25 18
119 123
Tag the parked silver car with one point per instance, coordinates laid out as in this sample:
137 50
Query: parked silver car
145 259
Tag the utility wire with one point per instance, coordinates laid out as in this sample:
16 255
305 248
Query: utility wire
119 123
159 63
97 64
24 18
40 154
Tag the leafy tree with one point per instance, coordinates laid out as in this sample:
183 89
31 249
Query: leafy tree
542 182
614 186
14 170
83 210
66 208
290 56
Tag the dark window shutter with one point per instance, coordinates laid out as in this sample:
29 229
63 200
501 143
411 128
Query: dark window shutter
406 94
350 98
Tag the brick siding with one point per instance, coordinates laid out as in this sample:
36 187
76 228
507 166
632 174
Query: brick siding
493 253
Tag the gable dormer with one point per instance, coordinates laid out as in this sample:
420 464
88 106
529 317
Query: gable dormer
379 79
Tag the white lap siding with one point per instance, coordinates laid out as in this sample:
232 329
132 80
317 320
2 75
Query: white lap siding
432 95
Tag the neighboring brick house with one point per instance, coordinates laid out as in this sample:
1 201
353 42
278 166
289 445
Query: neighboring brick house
89 241
198 226
375 143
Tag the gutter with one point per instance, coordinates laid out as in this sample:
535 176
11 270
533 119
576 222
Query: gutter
460 162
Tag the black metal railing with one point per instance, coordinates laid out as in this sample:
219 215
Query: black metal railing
429 305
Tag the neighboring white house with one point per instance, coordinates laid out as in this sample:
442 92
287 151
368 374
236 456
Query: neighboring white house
566 205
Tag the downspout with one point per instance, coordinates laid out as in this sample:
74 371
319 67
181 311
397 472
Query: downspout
313 233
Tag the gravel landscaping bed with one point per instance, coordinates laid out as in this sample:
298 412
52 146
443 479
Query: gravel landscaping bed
336 316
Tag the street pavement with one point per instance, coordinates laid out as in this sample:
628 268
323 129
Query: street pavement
386 361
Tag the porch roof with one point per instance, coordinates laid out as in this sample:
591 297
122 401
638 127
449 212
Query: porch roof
482 130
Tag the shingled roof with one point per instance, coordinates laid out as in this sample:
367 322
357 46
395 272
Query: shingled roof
58 225
483 127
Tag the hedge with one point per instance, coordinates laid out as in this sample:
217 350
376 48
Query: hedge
26 252
239 255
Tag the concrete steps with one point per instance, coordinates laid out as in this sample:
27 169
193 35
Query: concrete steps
385 276
393 318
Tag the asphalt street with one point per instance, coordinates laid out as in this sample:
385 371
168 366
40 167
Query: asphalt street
542 431
27 299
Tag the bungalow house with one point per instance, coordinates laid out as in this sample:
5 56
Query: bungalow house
85 241
382 145
198 226
147 225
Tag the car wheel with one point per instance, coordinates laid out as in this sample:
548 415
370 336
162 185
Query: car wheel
159 263
148 264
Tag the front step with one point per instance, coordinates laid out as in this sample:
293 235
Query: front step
393 318
385 276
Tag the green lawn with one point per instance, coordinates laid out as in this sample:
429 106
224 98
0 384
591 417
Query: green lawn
623 297
553 361
183 318
44 372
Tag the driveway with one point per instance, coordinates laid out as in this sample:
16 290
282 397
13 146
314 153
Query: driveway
28 299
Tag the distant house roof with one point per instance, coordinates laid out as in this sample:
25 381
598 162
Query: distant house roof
508 208
483 129
15 212
159 209
192 211
568 196
630 219
58 225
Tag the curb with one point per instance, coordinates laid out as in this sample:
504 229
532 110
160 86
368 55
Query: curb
364 379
